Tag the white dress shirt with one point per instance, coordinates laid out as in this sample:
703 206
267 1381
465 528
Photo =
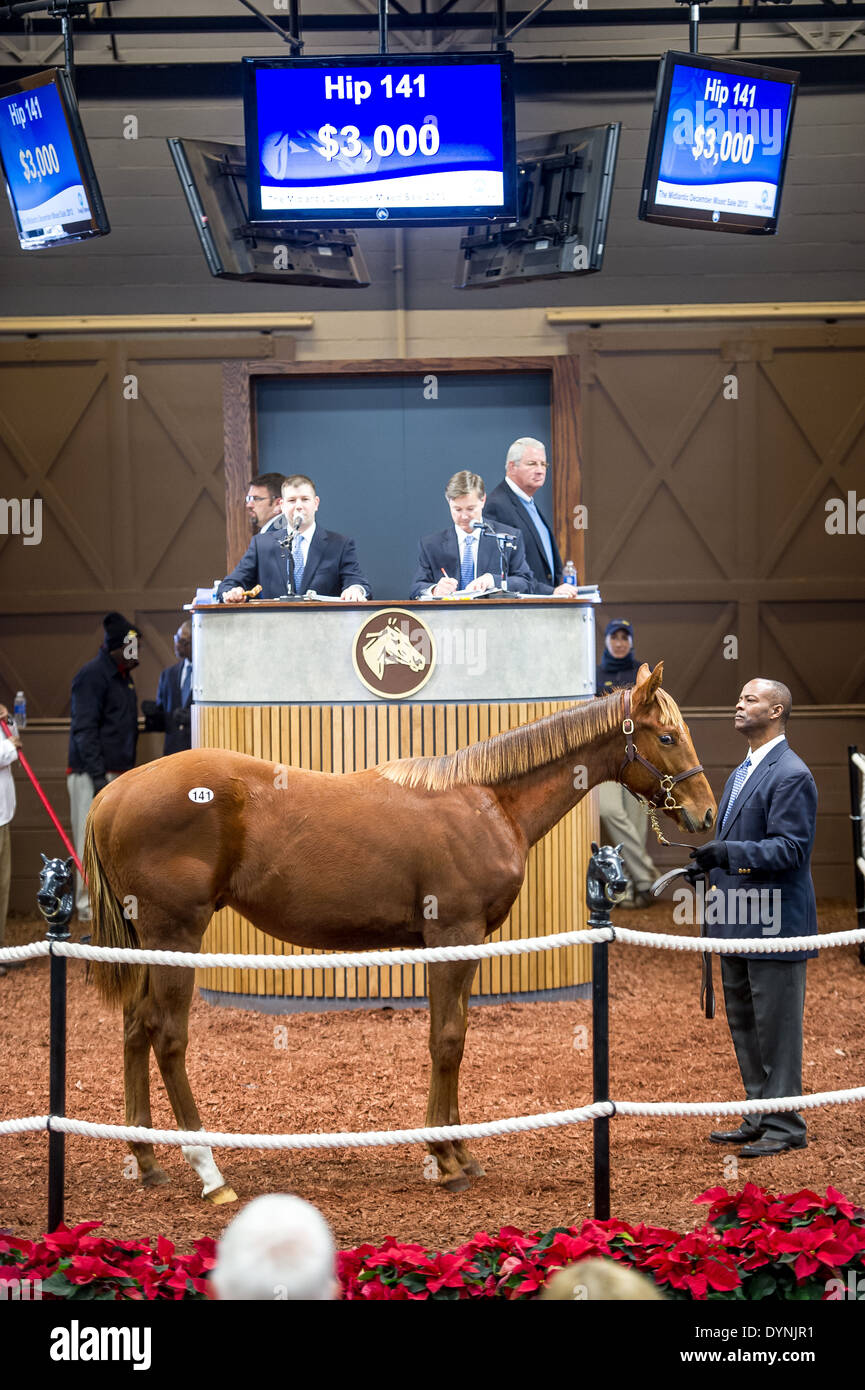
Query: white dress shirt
758 755
8 755
267 525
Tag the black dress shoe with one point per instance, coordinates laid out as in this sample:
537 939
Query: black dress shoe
765 1148
735 1136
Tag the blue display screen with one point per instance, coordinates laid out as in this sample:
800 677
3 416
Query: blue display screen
410 135
43 175
724 143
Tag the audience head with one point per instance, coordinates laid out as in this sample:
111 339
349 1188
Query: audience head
601 1280
264 498
183 641
278 1248
619 637
299 500
526 464
121 641
465 495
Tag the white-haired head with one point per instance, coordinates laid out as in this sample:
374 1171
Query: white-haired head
278 1248
519 446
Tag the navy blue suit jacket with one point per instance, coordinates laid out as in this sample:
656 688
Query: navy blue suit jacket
440 552
331 565
169 700
769 838
505 507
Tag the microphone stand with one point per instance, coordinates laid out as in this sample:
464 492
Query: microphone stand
287 543
504 542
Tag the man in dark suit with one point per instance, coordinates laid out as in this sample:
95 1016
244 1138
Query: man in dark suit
512 504
761 863
463 557
169 712
317 560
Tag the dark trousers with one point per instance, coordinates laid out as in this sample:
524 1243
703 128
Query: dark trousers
765 1001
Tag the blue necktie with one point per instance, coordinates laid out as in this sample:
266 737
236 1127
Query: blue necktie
738 783
186 684
543 533
467 568
299 566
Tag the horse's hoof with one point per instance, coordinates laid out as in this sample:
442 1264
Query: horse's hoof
155 1177
473 1169
221 1195
460 1183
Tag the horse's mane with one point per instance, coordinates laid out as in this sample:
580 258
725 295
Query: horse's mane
517 751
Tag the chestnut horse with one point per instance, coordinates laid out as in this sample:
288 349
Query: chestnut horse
346 862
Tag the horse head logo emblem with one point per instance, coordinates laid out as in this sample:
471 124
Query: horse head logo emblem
394 653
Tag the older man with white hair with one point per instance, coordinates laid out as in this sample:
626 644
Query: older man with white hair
512 504
279 1248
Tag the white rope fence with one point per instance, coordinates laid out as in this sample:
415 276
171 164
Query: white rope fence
210 960
488 1129
379 1138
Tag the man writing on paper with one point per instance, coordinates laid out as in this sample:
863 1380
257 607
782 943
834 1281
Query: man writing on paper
464 557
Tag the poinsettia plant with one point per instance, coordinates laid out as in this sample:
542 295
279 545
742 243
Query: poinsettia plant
754 1245
76 1264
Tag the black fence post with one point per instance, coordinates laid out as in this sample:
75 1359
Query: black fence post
601 1072
606 885
57 1082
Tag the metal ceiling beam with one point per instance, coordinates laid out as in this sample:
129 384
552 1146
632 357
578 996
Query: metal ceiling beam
242 25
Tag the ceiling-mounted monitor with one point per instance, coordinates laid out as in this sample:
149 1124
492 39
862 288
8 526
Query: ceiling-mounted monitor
50 179
564 187
391 139
718 144
213 178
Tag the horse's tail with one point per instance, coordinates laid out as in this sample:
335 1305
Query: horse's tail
117 983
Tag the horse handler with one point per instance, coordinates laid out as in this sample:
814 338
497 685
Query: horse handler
767 818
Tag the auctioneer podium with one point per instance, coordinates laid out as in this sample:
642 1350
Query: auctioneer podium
338 687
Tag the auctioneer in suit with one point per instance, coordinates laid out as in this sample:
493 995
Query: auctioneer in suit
440 552
331 565
504 507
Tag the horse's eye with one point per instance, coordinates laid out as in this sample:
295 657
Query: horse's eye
666 738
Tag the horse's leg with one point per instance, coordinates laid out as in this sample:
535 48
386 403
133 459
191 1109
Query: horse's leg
170 994
469 1164
136 1085
449 986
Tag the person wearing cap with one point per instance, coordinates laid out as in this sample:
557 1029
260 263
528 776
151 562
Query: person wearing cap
623 820
103 729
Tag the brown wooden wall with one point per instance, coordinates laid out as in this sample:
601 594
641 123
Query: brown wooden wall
706 520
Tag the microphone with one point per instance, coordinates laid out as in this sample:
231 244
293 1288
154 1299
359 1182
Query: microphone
291 529
509 540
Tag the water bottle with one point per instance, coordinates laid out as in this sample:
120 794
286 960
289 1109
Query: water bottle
569 574
19 709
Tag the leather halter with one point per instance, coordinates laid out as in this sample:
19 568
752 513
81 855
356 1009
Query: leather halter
633 753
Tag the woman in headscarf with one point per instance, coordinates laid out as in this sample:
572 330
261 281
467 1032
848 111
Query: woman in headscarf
623 820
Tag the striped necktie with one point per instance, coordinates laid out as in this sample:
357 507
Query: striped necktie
467 568
738 783
299 566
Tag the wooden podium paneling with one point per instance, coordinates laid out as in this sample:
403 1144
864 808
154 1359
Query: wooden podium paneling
347 738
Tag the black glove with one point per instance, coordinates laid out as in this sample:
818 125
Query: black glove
99 783
714 855
693 874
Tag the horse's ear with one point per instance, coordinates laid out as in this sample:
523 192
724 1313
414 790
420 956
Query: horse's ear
618 849
648 683
45 860
594 848
67 864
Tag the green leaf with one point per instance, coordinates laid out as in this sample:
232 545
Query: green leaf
58 1284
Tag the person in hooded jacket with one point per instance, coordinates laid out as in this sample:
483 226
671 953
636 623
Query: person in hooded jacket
103 729
623 820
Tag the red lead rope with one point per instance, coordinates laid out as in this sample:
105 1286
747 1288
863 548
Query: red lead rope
44 799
